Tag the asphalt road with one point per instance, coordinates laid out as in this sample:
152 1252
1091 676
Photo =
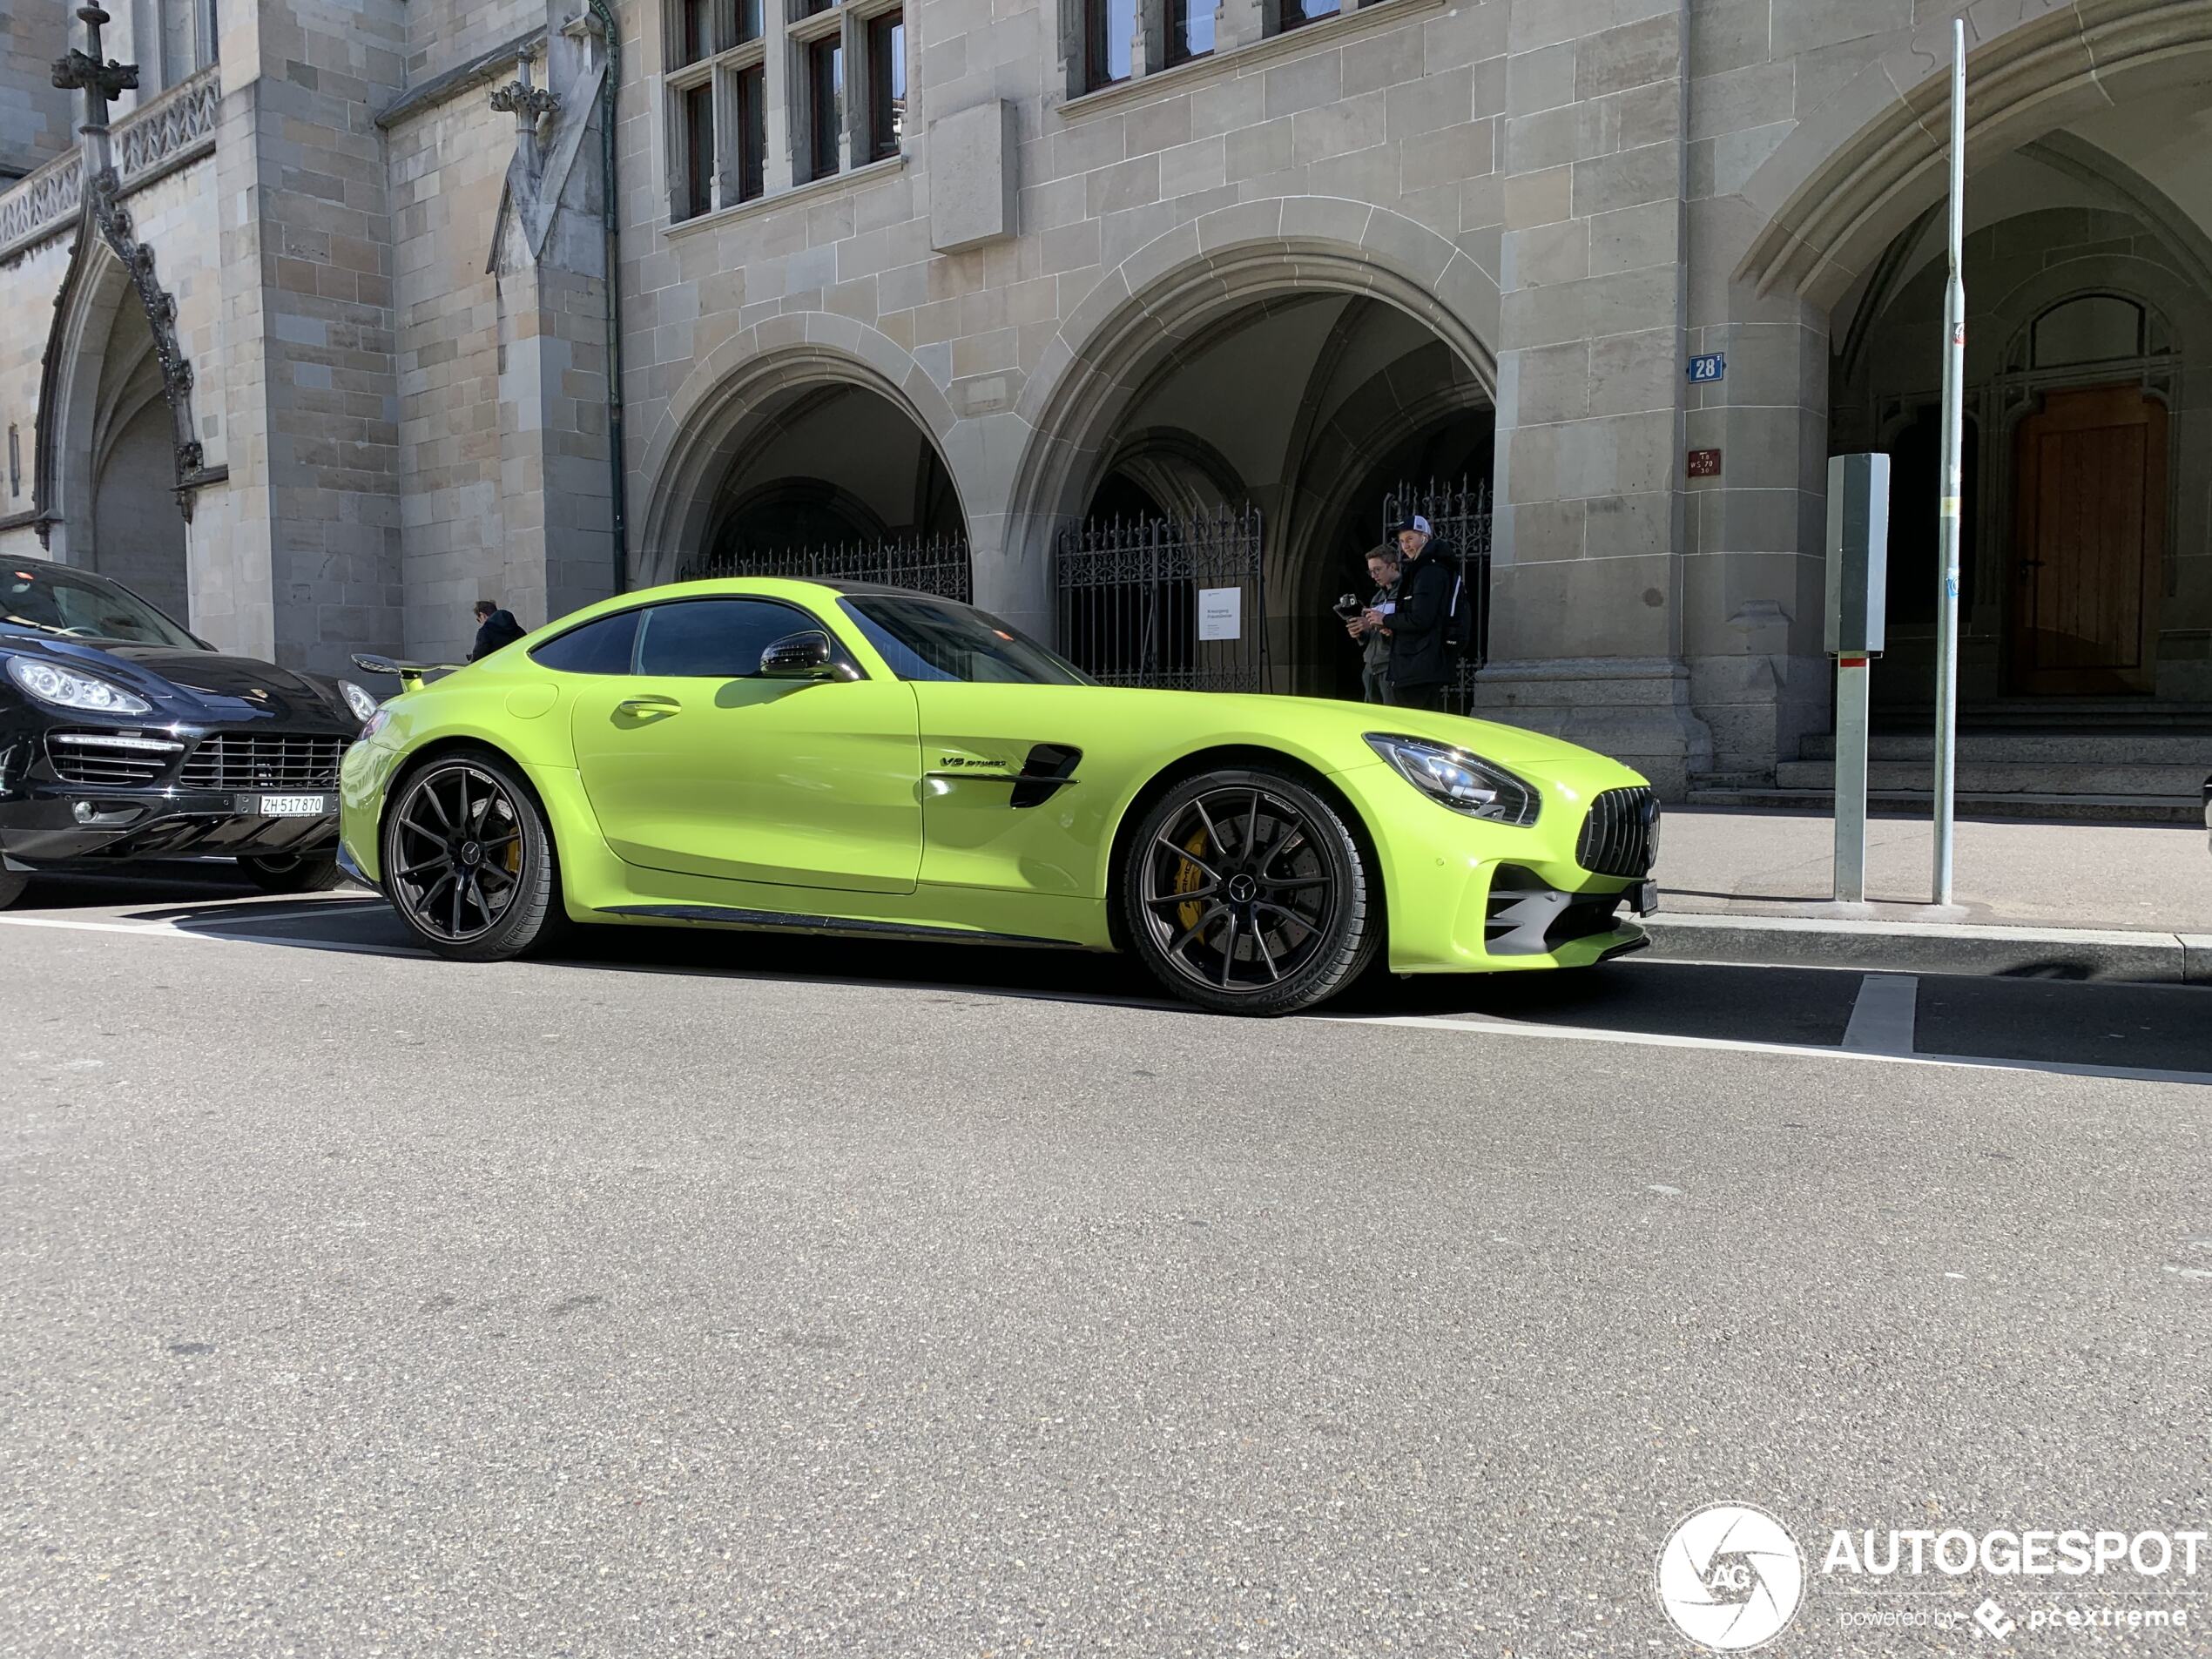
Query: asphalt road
717 1294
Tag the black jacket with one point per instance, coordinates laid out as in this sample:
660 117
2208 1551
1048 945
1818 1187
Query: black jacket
498 628
1418 653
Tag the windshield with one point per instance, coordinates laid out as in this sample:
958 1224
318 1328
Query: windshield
83 606
939 640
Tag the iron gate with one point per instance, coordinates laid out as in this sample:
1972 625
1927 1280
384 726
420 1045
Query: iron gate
1460 515
1174 603
938 564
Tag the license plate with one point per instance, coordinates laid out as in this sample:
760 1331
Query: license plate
294 806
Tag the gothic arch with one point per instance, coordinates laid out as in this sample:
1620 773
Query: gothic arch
738 393
1857 171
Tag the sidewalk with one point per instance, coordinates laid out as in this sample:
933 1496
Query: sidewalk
2066 900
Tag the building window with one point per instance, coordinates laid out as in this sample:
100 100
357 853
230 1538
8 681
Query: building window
698 150
717 144
887 43
825 105
1191 28
1110 38
1291 13
15 461
752 132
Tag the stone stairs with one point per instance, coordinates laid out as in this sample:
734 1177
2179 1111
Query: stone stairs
2153 773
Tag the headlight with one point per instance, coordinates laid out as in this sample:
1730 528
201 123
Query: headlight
1466 783
65 689
363 705
375 724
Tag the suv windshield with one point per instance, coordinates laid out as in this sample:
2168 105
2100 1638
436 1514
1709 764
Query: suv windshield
83 606
940 639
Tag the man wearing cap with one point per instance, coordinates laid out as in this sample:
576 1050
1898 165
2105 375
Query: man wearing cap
1420 664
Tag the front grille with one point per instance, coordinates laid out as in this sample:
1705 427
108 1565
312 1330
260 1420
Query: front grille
1621 835
110 759
255 760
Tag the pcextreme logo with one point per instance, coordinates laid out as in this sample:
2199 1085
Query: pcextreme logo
1731 1577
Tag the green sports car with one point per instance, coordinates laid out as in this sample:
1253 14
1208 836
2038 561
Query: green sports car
868 762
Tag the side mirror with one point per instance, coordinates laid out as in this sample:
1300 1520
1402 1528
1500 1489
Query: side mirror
804 656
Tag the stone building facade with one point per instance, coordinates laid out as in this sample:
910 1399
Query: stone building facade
327 346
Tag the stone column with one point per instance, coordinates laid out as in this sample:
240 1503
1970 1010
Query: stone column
554 443
310 396
1586 633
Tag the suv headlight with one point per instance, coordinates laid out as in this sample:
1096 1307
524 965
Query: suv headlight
65 689
363 705
1466 783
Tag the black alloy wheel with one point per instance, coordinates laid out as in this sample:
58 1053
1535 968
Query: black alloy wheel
1247 894
468 862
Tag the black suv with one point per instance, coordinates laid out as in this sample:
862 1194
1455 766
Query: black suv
122 736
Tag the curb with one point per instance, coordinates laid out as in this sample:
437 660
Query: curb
1934 947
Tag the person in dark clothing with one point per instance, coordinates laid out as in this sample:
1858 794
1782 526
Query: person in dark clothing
1373 642
1421 662
495 628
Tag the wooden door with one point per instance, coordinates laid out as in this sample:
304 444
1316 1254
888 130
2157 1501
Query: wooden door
2088 544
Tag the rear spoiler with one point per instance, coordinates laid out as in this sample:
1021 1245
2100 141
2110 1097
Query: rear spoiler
410 674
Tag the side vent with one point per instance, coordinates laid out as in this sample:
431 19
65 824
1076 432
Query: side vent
1051 767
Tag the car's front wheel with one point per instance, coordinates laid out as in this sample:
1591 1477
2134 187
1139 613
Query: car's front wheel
1247 893
468 861
293 872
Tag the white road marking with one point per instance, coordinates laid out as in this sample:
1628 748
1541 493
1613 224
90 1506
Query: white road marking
171 930
1734 1045
1488 1024
1881 1021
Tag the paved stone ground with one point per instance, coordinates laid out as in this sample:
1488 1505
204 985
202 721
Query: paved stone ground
709 1294
2010 872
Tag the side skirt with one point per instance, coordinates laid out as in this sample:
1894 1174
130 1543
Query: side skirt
782 921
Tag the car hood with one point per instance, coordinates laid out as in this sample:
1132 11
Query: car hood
203 685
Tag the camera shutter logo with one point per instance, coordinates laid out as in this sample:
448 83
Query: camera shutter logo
1731 1577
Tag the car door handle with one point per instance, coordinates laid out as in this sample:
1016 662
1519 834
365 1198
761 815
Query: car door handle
648 705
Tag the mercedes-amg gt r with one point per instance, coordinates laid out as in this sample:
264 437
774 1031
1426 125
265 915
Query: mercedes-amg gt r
874 762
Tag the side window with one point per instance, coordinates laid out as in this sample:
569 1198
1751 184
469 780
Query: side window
719 639
600 647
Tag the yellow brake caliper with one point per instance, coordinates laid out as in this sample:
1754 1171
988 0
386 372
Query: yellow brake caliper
1188 878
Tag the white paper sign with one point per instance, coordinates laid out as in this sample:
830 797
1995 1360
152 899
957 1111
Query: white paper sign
1221 613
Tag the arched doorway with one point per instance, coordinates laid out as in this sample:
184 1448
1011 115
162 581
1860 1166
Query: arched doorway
1299 381
2089 286
807 464
107 442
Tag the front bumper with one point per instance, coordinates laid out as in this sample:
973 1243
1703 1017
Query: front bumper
54 822
1465 895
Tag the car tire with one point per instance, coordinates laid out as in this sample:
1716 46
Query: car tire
1245 892
439 888
12 882
293 872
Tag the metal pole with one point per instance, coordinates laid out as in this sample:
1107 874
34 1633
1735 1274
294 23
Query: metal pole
1954 369
1853 678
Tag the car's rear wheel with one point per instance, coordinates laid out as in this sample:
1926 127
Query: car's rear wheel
293 872
468 861
1247 893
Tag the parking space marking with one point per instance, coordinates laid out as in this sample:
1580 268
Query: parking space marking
172 930
1881 1021
1794 1050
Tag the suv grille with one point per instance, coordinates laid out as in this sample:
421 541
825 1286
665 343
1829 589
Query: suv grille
1621 835
111 759
242 760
